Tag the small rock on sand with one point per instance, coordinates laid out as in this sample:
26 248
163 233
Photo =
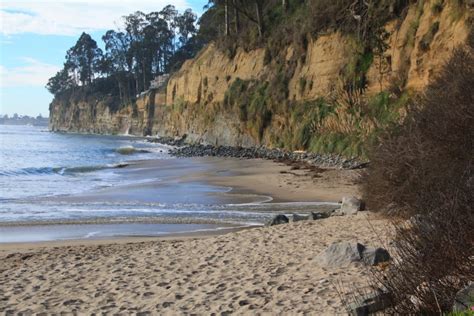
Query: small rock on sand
374 256
341 254
298 218
319 215
351 205
279 219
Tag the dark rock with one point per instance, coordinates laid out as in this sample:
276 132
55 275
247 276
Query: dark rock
375 256
279 219
371 303
307 159
298 218
463 299
319 215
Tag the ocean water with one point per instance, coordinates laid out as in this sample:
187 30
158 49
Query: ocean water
123 185
35 162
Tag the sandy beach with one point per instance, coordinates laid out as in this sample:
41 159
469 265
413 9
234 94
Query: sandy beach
269 270
263 270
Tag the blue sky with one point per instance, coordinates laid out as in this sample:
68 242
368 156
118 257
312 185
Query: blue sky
35 35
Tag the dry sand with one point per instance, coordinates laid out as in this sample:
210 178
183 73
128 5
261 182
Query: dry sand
269 270
266 270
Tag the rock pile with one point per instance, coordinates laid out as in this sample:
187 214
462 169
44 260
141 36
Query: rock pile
170 141
320 160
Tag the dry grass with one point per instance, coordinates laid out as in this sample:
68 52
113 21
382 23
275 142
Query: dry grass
423 170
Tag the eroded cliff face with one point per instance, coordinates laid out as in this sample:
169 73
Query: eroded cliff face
193 102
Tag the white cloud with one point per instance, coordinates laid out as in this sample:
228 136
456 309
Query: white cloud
71 17
32 74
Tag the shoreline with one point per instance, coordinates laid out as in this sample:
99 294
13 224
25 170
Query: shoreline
24 247
247 191
271 269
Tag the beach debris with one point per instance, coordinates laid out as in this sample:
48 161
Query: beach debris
279 219
463 299
370 303
351 205
298 218
319 215
341 254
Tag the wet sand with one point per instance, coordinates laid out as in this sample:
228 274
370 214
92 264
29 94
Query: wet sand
177 193
232 180
284 183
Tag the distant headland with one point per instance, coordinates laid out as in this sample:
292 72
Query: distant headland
17 119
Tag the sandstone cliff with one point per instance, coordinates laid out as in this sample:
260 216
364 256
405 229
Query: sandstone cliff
220 99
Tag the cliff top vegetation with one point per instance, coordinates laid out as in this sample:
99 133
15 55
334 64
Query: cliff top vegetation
159 42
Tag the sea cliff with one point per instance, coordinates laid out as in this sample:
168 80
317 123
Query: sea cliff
226 99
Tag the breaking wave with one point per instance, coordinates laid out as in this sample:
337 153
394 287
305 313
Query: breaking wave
59 170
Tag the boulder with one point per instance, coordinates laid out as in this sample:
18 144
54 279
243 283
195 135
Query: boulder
279 219
463 300
341 254
351 205
375 256
298 218
370 303
319 215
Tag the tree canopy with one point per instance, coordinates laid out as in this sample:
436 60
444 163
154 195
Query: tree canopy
148 45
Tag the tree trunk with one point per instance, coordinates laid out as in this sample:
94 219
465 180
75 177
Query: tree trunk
120 90
137 84
144 77
259 17
226 12
236 17
284 4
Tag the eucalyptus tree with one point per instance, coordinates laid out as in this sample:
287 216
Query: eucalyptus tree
83 59
60 82
117 61
186 24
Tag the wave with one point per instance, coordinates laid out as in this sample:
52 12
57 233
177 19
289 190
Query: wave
59 170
